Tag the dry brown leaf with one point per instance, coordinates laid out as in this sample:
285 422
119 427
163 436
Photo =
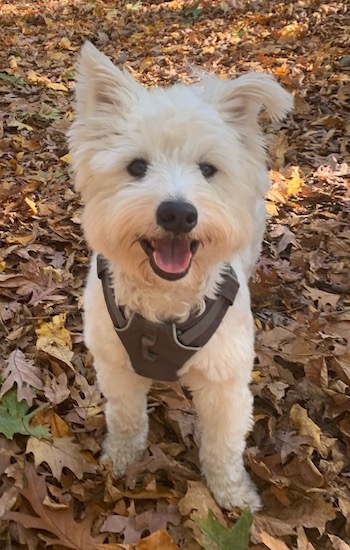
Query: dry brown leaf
303 542
56 390
198 500
7 500
272 543
60 523
24 373
338 544
59 453
299 418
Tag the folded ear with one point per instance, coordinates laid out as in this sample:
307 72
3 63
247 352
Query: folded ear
100 84
240 101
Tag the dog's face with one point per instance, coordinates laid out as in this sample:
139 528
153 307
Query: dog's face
169 177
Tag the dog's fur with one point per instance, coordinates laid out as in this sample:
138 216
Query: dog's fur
175 130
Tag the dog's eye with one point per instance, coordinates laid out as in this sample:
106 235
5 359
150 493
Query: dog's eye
208 170
137 168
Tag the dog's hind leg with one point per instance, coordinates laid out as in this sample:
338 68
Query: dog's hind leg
225 415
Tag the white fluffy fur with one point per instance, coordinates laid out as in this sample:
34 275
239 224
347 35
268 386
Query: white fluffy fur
174 129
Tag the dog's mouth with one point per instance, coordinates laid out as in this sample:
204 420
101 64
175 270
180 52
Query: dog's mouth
170 257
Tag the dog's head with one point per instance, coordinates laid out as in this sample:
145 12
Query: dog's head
169 177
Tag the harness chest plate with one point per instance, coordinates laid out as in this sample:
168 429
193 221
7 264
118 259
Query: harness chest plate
159 350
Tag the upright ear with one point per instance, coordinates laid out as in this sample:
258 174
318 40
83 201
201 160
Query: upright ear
100 84
240 101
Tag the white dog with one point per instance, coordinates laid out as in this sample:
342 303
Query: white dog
173 183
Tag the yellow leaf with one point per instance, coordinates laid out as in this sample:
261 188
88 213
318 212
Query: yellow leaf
256 376
57 86
306 426
292 32
146 64
55 339
31 205
295 182
66 158
272 209
2 265
32 76
65 43
24 239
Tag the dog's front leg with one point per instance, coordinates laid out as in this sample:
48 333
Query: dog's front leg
126 416
225 415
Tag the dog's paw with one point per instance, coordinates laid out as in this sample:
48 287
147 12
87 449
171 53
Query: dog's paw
122 453
241 493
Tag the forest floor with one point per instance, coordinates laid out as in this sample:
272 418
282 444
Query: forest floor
52 489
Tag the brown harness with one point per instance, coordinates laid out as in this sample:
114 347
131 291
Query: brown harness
159 350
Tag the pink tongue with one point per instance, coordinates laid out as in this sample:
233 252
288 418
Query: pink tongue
172 255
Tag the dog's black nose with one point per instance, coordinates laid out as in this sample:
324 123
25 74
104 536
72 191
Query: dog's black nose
177 216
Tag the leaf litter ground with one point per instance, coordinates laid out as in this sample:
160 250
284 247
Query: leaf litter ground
53 490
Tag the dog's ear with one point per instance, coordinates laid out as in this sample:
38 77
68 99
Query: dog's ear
101 85
240 101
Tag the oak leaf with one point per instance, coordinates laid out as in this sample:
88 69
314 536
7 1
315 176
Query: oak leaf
218 537
22 372
60 453
56 390
150 520
60 523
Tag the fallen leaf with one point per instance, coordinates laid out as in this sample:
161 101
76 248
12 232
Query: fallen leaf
159 540
272 543
299 418
198 500
15 418
24 374
218 537
338 544
59 453
60 523
55 339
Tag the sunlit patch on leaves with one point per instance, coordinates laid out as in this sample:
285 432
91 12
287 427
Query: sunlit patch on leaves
134 6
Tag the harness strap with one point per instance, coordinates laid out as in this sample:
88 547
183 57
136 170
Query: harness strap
197 330
116 313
